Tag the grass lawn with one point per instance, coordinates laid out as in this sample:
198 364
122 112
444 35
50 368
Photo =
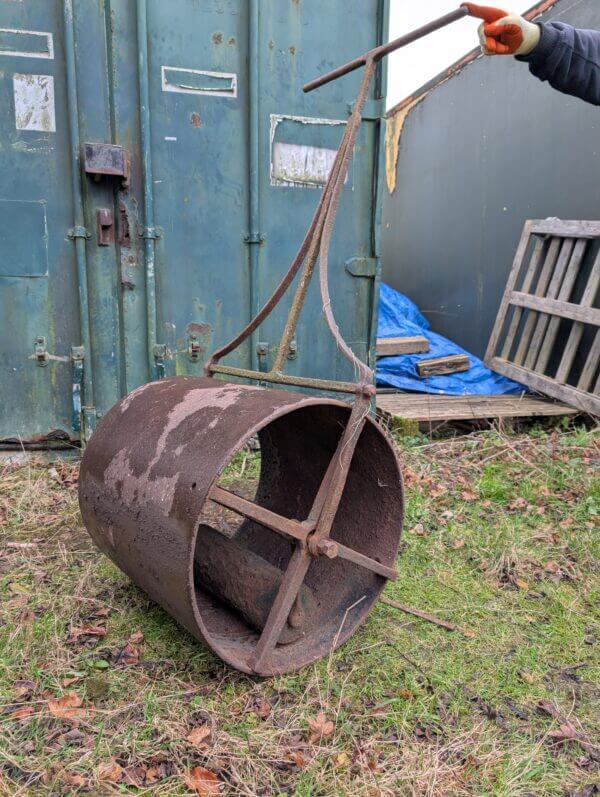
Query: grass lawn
102 693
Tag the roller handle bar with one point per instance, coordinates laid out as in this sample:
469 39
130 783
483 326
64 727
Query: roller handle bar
385 49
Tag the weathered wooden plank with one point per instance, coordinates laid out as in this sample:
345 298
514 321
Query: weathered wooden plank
575 312
574 229
591 365
545 384
563 295
557 246
390 347
587 300
530 273
568 253
426 408
438 366
510 285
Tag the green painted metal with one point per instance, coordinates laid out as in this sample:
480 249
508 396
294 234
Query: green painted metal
227 156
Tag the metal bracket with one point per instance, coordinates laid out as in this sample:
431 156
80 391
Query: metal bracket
160 355
361 266
78 232
254 238
77 355
193 347
40 352
153 233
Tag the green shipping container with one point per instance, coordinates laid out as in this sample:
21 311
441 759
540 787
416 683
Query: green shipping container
159 165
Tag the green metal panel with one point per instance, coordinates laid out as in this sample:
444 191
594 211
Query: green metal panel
38 286
227 157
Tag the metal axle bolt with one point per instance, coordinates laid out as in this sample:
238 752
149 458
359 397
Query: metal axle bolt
328 548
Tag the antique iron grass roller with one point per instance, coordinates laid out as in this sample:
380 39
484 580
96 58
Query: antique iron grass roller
273 582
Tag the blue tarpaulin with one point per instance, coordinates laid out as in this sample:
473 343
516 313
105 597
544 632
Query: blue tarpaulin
399 317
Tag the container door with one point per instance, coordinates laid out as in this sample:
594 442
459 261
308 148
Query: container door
299 134
191 59
38 283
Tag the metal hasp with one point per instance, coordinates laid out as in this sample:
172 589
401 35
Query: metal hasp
320 537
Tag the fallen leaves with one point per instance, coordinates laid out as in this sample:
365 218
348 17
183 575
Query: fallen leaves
68 708
109 771
204 782
22 712
86 633
197 736
320 728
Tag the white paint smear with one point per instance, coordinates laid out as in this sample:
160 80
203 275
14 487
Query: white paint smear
34 102
299 164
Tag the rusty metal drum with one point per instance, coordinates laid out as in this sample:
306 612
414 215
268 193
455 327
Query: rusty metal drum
150 498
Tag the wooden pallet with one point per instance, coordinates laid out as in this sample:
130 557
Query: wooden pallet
547 333
427 408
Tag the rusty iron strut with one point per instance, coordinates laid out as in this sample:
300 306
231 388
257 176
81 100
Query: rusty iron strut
308 561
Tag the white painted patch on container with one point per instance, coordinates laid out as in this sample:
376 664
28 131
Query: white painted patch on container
170 138
198 81
300 165
34 102
9 35
293 164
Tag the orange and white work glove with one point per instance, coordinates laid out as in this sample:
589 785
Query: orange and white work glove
503 33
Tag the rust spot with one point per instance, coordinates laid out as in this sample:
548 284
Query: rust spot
217 38
195 119
231 40
292 50
271 44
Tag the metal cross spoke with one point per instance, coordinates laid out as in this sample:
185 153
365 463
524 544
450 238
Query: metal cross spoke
288 590
287 527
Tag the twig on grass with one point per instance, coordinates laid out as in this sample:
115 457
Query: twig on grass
418 613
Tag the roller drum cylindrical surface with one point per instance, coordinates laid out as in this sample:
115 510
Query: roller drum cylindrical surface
144 496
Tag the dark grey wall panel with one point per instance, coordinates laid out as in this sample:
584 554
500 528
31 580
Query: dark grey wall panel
483 152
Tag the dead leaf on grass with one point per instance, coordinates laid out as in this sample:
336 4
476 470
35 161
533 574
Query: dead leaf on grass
320 728
23 689
469 495
89 631
204 782
527 677
197 736
298 759
22 712
67 707
109 771
75 779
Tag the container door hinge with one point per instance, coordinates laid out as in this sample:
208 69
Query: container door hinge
254 238
160 355
78 232
152 233
84 418
362 266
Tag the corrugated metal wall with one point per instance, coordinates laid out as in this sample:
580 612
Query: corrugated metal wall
227 159
479 155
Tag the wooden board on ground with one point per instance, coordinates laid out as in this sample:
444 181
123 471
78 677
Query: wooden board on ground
427 408
390 347
438 366
547 333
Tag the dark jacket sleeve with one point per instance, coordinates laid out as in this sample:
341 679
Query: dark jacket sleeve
569 59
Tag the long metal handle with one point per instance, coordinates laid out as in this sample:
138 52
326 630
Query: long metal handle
379 52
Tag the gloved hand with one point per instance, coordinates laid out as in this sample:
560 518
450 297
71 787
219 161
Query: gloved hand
503 33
